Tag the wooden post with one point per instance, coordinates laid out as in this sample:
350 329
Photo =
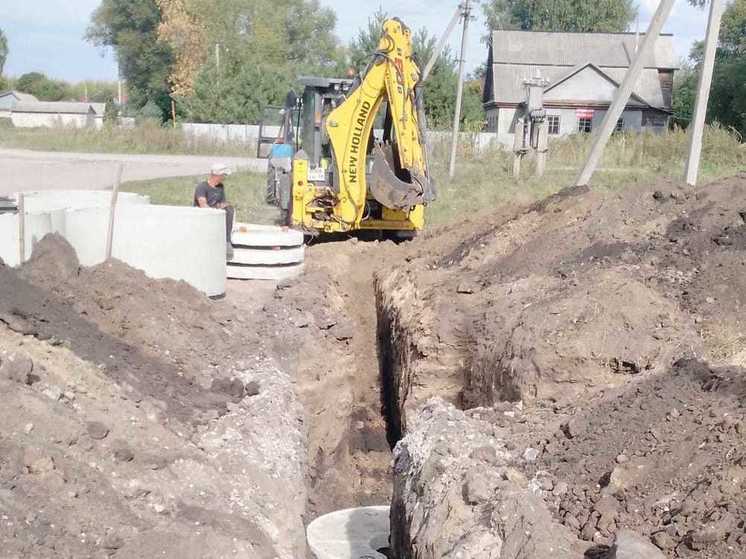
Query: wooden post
622 94
519 146
21 229
542 147
466 10
697 126
112 211
173 112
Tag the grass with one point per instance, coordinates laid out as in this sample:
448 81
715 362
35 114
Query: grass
245 191
485 181
145 138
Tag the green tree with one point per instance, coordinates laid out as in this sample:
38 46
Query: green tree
41 86
728 94
239 97
684 92
263 47
366 42
439 89
97 91
560 15
111 112
130 27
3 51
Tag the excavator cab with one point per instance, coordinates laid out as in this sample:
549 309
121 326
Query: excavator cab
354 156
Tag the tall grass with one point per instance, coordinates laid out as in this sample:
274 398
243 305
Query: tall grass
145 138
245 191
484 180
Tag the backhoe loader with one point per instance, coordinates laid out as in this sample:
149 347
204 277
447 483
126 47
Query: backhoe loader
331 172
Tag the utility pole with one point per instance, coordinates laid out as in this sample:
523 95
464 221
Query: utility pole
622 94
441 44
466 14
697 126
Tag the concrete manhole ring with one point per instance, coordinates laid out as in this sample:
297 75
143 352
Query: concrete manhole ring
356 533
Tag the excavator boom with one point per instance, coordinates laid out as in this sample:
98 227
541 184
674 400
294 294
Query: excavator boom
399 179
345 179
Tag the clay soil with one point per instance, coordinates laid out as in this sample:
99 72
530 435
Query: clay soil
598 335
602 336
229 422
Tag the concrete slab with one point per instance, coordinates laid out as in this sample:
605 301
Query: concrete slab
26 170
350 534
37 224
268 257
250 235
264 273
179 243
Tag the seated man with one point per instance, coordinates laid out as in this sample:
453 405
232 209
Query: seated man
211 194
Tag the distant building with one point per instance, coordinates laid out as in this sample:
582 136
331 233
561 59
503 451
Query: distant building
583 71
9 99
38 114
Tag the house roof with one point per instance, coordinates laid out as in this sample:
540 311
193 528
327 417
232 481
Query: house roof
49 107
605 50
634 97
509 79
98 108
20 96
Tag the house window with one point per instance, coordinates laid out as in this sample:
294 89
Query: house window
619 125
585 125
553 122
492 121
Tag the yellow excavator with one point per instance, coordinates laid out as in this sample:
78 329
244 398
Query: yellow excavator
340 166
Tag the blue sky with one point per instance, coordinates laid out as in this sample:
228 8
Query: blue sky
47 35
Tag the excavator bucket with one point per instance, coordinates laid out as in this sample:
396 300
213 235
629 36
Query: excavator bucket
389 189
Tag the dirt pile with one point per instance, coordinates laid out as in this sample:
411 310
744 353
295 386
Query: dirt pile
141 420
665 456
588 297
457 494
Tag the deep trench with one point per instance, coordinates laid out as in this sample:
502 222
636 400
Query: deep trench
387 375
384 405
374 390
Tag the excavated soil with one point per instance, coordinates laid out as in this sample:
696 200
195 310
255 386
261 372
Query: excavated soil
601 337
140 419
196 428
559 380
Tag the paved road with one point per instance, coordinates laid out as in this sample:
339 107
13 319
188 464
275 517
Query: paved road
24 170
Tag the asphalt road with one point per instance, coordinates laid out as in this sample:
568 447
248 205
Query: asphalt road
24 170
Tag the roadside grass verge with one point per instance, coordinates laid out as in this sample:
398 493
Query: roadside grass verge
485 181
145 138
245 191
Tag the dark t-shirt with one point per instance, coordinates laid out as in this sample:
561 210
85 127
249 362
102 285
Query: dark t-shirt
213 195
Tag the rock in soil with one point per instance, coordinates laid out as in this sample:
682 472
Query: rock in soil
629 545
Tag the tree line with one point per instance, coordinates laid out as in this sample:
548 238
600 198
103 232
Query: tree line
728 95
225 60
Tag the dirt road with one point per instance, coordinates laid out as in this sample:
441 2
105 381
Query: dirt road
27 170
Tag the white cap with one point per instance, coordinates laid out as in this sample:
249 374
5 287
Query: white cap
220 169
